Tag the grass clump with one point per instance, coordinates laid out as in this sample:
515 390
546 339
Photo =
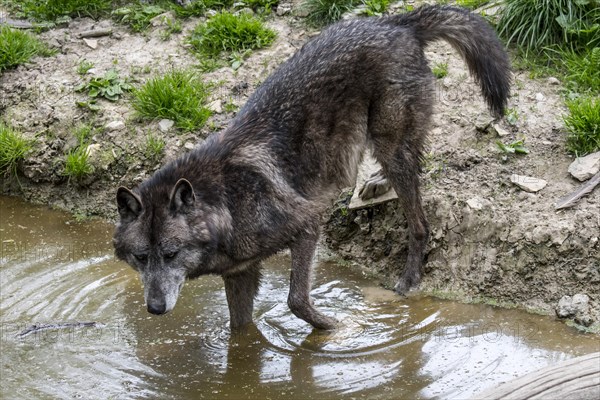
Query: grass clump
17 47
13 147
179 95
155 147
77 160
227 32
534 24
440 70
137 15
324 12
84 66
52 10
583 124
375 8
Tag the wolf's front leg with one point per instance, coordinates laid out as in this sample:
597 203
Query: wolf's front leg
299 300
241 288
375 186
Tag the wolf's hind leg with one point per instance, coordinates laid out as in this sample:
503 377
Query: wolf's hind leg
241 288
299 300
375 186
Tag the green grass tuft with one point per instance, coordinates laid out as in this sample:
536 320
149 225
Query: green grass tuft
51 10
178 95
155 147
583 124
440 70
13 147
325 12
226 32
84 66
17 47
77 163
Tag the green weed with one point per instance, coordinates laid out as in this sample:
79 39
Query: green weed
583 124
77 163
52 10
13 148
173 26
178 95
229 32
84 66
111 86
154 147
511 115
516 147
18 47
440 70
261 5
375 8
583 70
325 12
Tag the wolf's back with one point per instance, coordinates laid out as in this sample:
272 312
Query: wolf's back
476 42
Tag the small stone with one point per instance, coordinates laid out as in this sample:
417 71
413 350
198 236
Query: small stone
528 183
92 150
215 106
115 126
583 168
189 145
283 9
553 81
162 19
499 130
476 203
165 125
540 97
91 43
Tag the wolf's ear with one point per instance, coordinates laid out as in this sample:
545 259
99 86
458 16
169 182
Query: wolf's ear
182 196
129 204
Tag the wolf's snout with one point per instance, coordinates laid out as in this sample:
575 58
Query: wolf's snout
157 307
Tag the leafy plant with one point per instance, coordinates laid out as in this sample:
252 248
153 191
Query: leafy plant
511 115
583 124
179 95
324 12
18 47
375 8
84 66
110 86
229 32
516 147
440 70
173 26
582 70
77 163
13 147
137 15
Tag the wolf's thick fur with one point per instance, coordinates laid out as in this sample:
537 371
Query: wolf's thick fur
262 185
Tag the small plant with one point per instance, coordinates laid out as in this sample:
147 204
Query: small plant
583 124
324 12
516 147
440 70
178 95
261 5
17 47
583 70
471 4
375 8
137 15
154 147
110 86
228 32
173 26
77 163
13 147
84 66
511 115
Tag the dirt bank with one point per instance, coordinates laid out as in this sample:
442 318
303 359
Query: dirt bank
490 239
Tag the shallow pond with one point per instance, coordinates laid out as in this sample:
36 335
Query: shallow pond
56 270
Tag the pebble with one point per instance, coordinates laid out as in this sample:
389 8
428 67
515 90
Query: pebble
165 125
189 145
583 168
215 106
528 183
115 126
91 43
553 81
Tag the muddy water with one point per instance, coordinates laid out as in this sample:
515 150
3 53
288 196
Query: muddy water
56 270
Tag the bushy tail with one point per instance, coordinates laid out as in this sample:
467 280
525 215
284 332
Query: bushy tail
474 39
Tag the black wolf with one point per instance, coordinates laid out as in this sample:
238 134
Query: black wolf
262 184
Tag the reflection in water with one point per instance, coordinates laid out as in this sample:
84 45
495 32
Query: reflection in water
56 270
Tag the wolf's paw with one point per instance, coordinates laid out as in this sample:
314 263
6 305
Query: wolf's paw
405 284
375 186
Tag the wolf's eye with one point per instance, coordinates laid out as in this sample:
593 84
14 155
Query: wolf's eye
141 257
169 255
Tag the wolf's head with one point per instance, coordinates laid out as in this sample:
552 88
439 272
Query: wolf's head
166 234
